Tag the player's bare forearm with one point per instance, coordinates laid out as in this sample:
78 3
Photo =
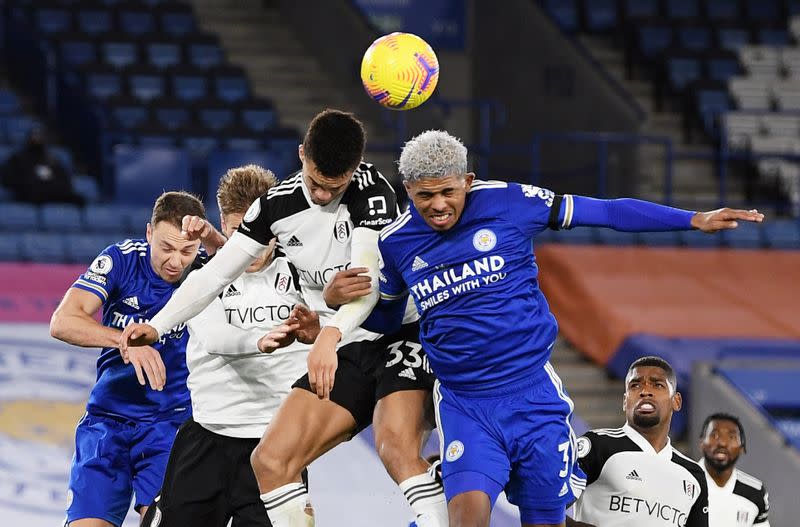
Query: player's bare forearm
80 329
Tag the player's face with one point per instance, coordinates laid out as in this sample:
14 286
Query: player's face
231 222
649 397
170 253
721 444
440 201
323 189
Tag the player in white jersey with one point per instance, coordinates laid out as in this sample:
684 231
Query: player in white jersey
634 477
735 498
237 379
327 218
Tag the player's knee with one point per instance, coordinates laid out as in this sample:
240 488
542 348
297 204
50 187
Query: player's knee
270 464
394 448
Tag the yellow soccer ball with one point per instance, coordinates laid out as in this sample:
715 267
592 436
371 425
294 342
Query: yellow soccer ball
400 71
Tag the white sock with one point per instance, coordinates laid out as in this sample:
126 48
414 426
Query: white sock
289 506
426 497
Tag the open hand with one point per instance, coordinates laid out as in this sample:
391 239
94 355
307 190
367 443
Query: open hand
346 286
147 361
722 219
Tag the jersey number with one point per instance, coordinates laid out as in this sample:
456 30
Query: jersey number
564 447
413 353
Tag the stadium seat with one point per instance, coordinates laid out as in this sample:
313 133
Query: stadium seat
760 144
204 51
84 248
563 12
59 217
87 187
9 103
781 125
760 61
189 84
128 113
772 388
142 173
171 114
601 15
681 69
710 101
104 218
163 54
231 83
76 50
722 9
153 134
746 236
762 10
177 20
682 9
653 38
137 217
732 36
739 128
18 128
782 234
787 95
257 116
102 82
216 117
95 21
44 247
10 247
199 144
219 161
136 20
245 142
146 83
751 93
773 36
693 35
50 20
640 8
120 52
722 65
5 152
700 240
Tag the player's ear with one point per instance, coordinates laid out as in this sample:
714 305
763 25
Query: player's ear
677 402
624 401
407 186
301 154
149 232
469 177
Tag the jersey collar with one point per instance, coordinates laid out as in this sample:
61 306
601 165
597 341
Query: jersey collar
645 445
728 487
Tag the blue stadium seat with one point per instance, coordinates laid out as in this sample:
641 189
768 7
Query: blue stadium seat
18 128
5 152
731 37
746 236
698 239
9 103
60 217
64 156
722 65
137 217
653 38
640 8
146 83
601 15
136 20
231 83
87 187
245 142
722 9
50 20
95 21
204 51
682 9
189 84
782 234
45 247
216 117
142 173
762 10
176 20
127 113
10 247
199 144
258 116
120 52
153 134
563 12
84 248
76 50
711 100
694 36
102 82
219 161
104 218
773 36
771 388
171 114
790 426
163 54
682 69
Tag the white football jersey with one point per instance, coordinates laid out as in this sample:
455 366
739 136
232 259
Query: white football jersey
235 388
742 502
316 239
629 484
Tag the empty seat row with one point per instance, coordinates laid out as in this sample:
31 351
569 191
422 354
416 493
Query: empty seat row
96 218
741 126
51 247
752 93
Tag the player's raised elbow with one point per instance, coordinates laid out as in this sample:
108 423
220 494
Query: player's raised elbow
58 325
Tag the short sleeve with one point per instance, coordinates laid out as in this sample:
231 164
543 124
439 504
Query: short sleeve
372 202
392 285
256 222
533 208
589 457
105 273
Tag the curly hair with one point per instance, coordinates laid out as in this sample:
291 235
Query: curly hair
241 186
433 154
335 142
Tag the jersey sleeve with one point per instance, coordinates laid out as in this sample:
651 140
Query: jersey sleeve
373 203
589 456
762 520
105 273
392 285
257 222
698 515
534 209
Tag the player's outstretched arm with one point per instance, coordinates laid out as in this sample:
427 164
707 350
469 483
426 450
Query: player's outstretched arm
633 215
199 289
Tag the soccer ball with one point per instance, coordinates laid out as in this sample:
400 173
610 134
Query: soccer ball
400 71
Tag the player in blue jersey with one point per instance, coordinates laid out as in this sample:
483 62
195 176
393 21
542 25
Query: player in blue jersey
463 252
122 443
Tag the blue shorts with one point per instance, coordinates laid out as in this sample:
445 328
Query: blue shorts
115 458
519 441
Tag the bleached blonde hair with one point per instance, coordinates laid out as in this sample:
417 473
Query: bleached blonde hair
433 154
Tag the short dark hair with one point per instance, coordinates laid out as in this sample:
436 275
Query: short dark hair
241 186
174 205
335 142
722 416
658 362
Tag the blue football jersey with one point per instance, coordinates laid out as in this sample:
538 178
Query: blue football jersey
131 291
485 323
